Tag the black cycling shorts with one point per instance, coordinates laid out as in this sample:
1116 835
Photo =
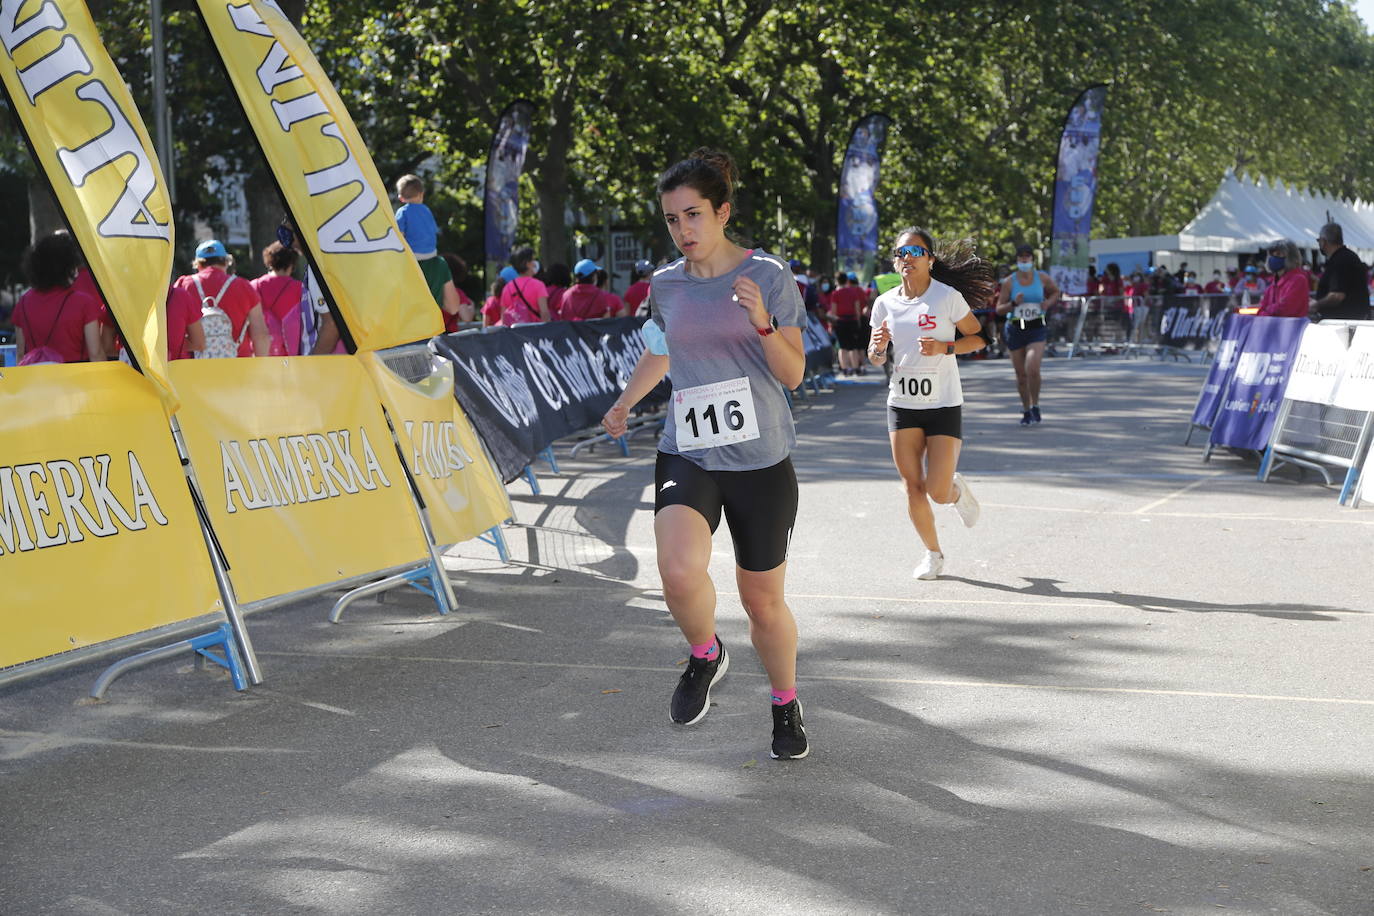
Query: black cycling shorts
937 421
848 335
760 506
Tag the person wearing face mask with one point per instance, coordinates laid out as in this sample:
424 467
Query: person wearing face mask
1287 295
920 318
729 319
525 299
1024 297
1343 291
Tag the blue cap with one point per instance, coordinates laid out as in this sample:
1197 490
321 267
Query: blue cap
585 267
1251 269
214 248
853 277
508 273
643 266
794 264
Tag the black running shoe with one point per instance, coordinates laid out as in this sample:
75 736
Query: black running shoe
789 738
1035 414
1027 418
692 698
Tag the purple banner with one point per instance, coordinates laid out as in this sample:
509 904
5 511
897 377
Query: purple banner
501 202
1251 402
1075 191
1233 335
856 238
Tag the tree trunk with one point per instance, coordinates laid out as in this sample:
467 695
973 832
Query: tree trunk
552 183
826 213
45 217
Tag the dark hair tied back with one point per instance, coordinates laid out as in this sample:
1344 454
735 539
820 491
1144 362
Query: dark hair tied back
957 265
709 172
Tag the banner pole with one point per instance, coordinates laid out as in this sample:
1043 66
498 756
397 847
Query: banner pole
218 562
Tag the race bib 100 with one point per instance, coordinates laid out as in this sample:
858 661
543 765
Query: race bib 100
915 387
721 413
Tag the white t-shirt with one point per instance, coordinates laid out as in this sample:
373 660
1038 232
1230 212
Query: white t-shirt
921 382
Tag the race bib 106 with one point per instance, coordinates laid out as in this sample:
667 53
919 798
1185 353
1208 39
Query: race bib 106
721 413
1028 312
915 387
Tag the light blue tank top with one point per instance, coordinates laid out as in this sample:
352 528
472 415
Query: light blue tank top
1030 294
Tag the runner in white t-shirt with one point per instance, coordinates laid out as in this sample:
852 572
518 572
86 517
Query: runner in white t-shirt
918 318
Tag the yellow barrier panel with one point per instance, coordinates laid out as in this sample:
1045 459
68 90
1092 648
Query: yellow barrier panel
325 174
463 493
89 141
98 535
299 472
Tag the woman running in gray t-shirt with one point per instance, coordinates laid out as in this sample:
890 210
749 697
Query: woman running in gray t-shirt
731 319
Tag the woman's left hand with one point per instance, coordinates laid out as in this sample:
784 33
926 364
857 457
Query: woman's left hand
750 298
930 346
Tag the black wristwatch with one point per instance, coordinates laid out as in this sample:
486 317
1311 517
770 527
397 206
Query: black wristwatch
949 349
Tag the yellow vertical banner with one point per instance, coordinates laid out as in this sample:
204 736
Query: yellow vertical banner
445 458
325 174
301 478
88 139
98 535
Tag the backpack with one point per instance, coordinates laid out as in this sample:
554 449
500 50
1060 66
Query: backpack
45 354
218 326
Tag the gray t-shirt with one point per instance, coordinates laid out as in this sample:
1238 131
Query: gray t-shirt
710 339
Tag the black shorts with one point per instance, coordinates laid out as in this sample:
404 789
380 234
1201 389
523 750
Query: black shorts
760 506
938 421
848 335
1018 338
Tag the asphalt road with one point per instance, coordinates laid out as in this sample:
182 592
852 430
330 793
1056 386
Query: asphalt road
1143 685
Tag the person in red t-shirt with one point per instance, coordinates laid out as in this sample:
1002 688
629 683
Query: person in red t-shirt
615 306
846 309
638 293
557 279
584 300
185 336
1287 296
53 313
240 301
280 294
525 299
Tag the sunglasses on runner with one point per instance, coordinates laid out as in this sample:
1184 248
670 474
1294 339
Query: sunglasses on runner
910 251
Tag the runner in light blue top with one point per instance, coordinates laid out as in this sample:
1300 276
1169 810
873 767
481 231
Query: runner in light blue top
731 318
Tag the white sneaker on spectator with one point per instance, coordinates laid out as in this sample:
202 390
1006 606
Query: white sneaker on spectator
966 504
930 565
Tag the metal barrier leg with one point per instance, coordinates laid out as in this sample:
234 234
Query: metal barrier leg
495 537
372 588
547 455
530 479
1266 464
222 637
1349 485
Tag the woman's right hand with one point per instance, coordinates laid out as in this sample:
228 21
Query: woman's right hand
880 339
616 420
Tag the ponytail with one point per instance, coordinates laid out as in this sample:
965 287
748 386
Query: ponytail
957 265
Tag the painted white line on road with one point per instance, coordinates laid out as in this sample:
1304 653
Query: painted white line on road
1217 516
52 740
911 681
1179 492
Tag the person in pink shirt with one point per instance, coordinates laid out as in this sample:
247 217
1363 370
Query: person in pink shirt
557 280
584 300
615 306
639 289
185 336
280 294
53 316
240 301
525 299
1287 295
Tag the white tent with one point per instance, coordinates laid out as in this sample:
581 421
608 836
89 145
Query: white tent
1243 216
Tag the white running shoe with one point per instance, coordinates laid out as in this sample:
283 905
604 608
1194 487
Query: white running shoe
966 504
930 565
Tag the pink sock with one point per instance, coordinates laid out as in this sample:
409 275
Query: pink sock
706 650
783 697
